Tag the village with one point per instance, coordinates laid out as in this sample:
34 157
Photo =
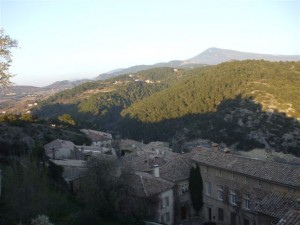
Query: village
236 190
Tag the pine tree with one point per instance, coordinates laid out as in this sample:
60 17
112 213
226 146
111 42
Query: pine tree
196 188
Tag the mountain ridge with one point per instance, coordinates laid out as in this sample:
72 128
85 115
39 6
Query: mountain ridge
210 56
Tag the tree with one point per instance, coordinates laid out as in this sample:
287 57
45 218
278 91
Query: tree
66 118
6 43
101 186
196 188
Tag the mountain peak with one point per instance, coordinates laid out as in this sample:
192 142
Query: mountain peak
213 56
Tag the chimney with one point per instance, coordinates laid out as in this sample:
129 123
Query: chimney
155 171
215 147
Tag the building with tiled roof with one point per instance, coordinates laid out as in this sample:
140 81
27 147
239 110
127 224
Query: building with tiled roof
292 217
177 170
234 186
98 138
274 206
157 195
59 149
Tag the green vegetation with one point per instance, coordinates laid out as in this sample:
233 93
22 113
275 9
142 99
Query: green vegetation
6 44
245 104
266 82
196 188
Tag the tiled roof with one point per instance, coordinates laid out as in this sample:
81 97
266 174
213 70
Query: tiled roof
127 144
146 185
58 144
95 135
292 217
266 170
275 205
176 169
143 161
70 162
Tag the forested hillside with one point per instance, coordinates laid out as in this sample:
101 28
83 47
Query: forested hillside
244 104
98 104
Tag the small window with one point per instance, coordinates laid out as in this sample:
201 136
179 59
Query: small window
246 179
247 201
220 214
208 188
233 197
220 192
165 202
220 172
259 183
167 217
232 175
184 188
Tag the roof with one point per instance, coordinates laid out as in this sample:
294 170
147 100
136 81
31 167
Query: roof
177 169
128 144
146 185
275 205
95 135
271 171
58 143
70 163
292 217
144 160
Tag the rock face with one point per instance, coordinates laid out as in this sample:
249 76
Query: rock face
246 126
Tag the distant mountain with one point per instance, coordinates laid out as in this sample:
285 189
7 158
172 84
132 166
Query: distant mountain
65 84
138 68
211 56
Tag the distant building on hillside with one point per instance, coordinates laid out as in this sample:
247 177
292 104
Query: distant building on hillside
59 149
98 138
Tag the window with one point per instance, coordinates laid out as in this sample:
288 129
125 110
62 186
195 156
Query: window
165 202
208 188
219 173
246 222
167 217
257 201
220 192
259 183
207 169
184 188
220 214
233 197
232 175
247 201
246 179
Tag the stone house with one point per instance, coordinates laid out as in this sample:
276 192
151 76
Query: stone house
59 149
235 187
99 138
73 171
156 195
177 171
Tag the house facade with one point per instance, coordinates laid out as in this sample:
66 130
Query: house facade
235 187
59 149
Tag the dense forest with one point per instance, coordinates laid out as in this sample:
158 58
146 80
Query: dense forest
244 104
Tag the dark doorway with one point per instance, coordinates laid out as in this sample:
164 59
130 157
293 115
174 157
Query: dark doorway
183 213
233 218
209 213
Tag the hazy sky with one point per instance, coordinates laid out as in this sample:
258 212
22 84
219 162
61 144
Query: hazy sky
72 39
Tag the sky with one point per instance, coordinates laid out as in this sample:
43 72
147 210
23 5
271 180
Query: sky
75 39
